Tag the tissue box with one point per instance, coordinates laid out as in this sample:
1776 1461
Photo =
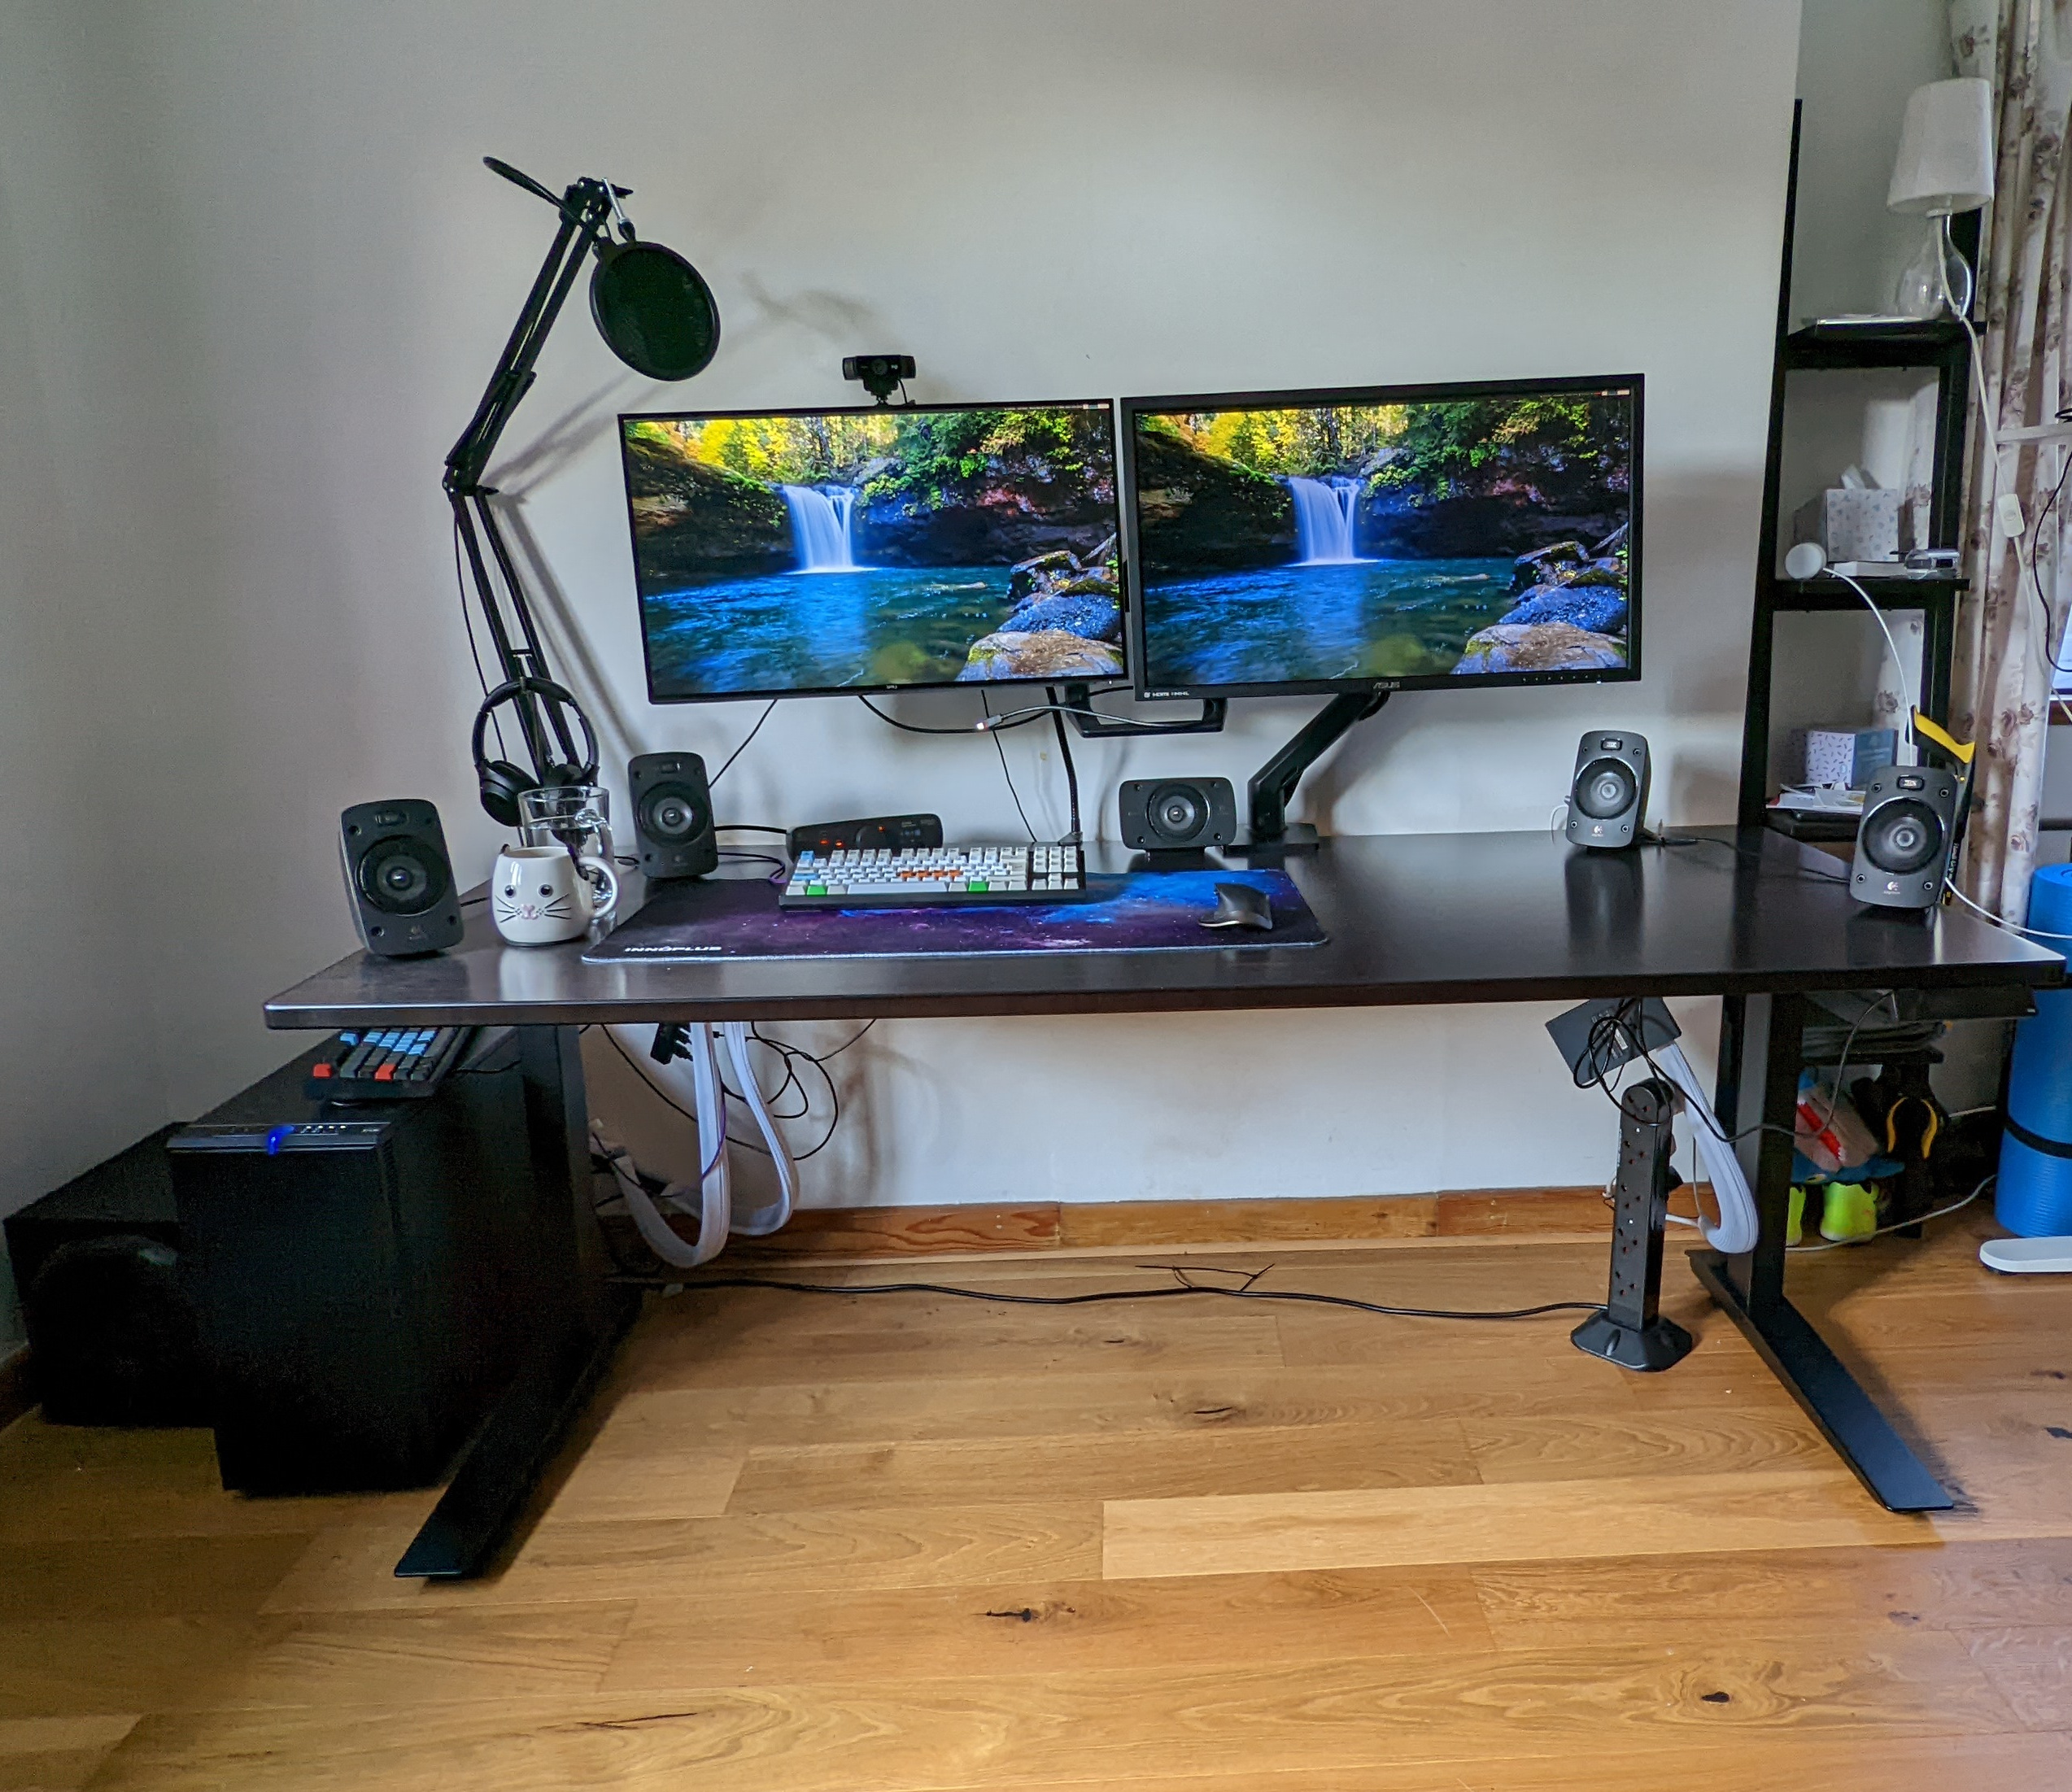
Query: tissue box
1849 756
1854 525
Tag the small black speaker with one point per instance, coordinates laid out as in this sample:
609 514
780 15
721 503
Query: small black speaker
1607 797
400 877
1167 814
1903 847
673 816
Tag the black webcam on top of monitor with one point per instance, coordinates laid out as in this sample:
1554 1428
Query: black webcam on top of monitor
879 373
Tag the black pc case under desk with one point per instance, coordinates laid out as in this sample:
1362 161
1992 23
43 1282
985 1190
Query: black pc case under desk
361 1274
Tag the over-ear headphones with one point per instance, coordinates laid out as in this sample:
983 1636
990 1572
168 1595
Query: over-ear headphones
503 783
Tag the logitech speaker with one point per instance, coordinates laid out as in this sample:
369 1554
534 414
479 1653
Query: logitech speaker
673 815
1903 847
400 877
1607 797
1171 814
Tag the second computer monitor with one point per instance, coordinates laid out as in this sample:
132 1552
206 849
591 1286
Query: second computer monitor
1435 536
794 552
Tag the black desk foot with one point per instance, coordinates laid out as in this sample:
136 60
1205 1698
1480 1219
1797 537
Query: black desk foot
501 1467
1848 1417
1660 1344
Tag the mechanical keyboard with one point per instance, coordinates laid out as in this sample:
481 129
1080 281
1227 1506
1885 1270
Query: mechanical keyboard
935 876
385 1064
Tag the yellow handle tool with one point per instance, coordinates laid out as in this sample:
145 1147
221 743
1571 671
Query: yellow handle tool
1960 751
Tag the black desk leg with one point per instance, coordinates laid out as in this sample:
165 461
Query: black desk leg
581 1317
1751 1287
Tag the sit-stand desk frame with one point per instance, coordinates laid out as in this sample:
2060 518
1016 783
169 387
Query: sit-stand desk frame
1413 920
1751 1287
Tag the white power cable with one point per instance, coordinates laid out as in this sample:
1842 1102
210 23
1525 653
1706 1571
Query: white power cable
760 1222
2001 921
1738 1224
712 1200
1892 646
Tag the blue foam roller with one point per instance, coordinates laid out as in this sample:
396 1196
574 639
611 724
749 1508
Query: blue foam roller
2039 1079
2033 1198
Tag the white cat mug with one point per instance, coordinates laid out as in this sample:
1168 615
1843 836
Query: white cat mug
541 895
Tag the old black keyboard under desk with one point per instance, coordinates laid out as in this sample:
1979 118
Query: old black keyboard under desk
936 877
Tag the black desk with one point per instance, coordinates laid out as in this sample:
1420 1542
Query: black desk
1413 919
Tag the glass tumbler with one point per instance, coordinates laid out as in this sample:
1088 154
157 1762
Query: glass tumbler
575 817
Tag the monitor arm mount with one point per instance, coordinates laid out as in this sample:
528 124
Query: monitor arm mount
586 212
1274 783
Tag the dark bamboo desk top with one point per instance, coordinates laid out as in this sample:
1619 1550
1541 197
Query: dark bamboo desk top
1413 919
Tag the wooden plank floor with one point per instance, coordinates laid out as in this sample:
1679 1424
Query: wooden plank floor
917 1544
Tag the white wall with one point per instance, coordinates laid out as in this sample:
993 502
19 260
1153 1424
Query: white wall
91 593
1074 198
1858 60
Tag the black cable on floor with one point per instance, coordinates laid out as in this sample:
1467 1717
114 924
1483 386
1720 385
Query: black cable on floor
1246 1291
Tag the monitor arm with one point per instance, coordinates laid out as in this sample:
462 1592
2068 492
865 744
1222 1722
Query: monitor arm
586 211
1275 781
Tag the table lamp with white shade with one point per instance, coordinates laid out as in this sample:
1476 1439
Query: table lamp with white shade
1944 166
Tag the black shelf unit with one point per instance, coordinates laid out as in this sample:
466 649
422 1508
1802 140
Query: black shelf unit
1939 345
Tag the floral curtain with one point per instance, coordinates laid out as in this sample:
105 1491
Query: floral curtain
2012 619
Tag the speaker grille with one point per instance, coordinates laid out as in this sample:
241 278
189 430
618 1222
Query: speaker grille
671 813
1903 837
400 875
1177 812
1605 789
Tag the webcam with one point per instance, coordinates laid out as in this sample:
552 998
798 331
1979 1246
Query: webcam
879 373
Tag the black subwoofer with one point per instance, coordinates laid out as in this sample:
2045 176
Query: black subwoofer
1607 796
1177 814
673 815
112 1335
1902 847
400 877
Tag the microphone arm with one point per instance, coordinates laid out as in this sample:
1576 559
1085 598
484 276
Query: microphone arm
586 211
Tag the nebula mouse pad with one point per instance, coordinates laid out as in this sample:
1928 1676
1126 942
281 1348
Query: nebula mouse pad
1135 911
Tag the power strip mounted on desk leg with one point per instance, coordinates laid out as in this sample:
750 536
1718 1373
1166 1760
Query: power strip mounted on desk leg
1629 1330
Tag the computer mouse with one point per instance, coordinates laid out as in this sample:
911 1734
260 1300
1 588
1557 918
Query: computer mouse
1239 905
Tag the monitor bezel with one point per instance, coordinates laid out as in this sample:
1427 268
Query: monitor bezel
1110 681
1134 612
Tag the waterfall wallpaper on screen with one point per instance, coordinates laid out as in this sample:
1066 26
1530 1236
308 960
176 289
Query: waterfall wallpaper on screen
868 550
1413 540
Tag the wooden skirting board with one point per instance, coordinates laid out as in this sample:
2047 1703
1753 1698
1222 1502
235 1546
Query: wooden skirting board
851 1234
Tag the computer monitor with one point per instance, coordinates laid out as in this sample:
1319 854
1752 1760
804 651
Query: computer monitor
1388 537
792 553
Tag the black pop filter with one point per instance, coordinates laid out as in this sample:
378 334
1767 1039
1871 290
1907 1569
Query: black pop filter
654 310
